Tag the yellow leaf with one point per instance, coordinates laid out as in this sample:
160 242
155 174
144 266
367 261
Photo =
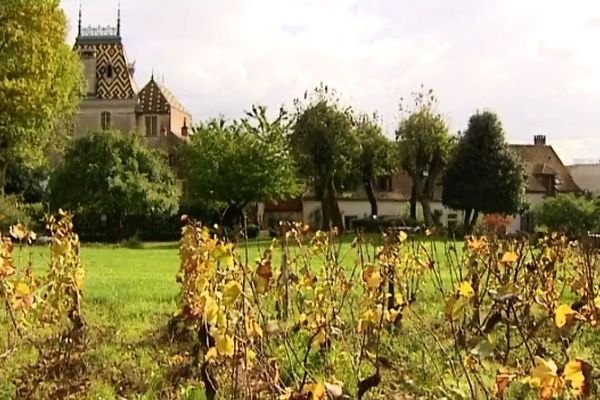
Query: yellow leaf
391 315
302 318
225 345
597 301
22 289
466 290
211 354
399 299
372 277
211 310
318 340
575 373
231 293
563 315
316 390
18 231
509 257
545 375
402 236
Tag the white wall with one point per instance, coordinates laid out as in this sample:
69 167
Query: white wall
362 208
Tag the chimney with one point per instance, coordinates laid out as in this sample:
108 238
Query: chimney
184 128
539 140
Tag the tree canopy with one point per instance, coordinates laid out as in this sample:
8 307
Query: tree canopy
484 175
233 164
40 79
424 145
377 155
325 146
109 173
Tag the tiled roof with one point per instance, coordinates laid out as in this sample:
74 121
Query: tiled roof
156 98
540 161
109 54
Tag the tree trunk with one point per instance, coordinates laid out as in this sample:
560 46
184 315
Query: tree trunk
336 215
473 220
413 203
427 215
325 209
467 221
371 195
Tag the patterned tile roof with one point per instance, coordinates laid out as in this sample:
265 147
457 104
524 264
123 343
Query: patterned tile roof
113 77
156 98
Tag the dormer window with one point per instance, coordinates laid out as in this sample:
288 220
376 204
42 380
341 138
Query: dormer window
110 71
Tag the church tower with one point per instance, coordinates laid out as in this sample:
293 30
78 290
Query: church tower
110 96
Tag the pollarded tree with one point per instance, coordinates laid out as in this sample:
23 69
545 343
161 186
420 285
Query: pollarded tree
40 79
424 145
325 145
484 175
377 155
232 165
108 173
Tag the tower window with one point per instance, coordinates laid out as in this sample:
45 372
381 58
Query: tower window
105 120
151 125
110 71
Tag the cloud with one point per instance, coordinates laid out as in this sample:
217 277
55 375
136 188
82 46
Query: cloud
532 62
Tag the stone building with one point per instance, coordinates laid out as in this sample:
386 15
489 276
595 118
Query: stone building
112 100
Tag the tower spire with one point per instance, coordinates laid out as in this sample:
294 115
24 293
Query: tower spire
79 24
119 19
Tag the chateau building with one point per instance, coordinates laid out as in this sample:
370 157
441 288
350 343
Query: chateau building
112 100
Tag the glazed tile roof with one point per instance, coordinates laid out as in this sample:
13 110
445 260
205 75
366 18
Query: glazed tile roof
109 53
156 98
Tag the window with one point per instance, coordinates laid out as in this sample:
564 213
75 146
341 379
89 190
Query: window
105 120
151 125
384 183
110 71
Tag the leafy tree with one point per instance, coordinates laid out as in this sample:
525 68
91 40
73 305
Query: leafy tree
484 175
377 155
232 165
108 173
424 145
326 147
40 79
568 214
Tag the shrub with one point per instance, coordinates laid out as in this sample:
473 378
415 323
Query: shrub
134 242
567 213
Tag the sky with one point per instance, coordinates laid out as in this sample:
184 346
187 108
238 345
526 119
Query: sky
536 63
